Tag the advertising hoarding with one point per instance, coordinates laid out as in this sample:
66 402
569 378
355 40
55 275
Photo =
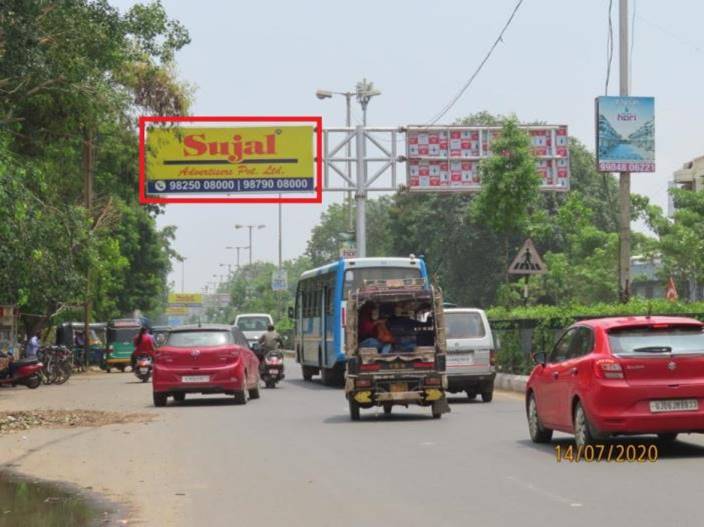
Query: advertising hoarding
625 134
447 158
279 280
185 299
229 160
177 310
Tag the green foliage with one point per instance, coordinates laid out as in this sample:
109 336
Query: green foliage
71 70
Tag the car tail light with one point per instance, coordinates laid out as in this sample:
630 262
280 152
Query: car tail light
363 383
369 367
609 369
423 365
492 357
433 381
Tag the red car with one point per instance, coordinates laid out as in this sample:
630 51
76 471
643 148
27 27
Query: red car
620 376
205 359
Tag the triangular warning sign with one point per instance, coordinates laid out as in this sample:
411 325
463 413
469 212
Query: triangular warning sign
527 261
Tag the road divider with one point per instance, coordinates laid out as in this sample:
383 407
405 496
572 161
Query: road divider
511 383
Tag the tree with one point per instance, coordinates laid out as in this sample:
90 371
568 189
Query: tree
510 185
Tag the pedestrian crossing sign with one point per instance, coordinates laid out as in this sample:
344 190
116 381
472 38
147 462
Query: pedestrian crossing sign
527 261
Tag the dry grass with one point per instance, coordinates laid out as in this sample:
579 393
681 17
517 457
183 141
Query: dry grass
12 421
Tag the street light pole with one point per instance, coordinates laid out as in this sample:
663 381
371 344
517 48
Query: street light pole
624 260
183 274
250 227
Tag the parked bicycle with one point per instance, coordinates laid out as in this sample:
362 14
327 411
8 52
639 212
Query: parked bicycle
58 364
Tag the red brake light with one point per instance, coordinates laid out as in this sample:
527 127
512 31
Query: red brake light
659 326
369 367
609 369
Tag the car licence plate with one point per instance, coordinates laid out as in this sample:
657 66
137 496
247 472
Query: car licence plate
273 372
195 378
460 359
398 387
674 405
143 370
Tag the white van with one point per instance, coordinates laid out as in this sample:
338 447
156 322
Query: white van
253 325
470 353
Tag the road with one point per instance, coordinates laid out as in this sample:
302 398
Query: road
293 458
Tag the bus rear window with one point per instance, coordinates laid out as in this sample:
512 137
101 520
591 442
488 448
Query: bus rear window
354 278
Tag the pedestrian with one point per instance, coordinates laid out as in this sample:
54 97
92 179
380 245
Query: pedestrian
32 347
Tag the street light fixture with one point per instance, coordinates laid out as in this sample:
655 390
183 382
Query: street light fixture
238 248
250 227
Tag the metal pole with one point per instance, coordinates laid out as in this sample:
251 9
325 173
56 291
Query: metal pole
238 257
361 194
624 177
348 123
250 243
183 275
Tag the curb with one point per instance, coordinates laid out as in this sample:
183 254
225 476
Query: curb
511 383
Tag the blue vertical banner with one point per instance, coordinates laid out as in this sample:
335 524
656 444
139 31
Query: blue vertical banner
625 134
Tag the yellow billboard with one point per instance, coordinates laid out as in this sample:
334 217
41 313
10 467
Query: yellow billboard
231 159
190 299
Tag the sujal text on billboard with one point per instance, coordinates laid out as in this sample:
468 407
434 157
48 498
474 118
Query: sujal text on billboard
448 158
224 160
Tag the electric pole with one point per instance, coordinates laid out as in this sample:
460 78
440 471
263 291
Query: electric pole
624 257
88 196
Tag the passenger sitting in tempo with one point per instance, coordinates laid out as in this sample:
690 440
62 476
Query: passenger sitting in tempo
373 331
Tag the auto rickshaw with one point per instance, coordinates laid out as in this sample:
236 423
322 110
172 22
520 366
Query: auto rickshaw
120 343
410 367
71 335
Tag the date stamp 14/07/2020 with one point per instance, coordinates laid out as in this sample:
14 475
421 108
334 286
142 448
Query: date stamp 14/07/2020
617 453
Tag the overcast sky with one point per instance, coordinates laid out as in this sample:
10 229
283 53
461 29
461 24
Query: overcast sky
268 58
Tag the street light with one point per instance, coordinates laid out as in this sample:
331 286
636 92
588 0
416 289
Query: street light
183 273
229 268
238 248
250 227
365 91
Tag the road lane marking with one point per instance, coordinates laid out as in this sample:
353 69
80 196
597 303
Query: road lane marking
544 492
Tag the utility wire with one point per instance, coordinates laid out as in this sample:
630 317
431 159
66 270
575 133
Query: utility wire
609 49
457 97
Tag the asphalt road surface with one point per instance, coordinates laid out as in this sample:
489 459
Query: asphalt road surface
293 458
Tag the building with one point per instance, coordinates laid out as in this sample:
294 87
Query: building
645 281
691 175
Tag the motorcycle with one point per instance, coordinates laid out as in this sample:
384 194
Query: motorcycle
143 368
26 372
272 368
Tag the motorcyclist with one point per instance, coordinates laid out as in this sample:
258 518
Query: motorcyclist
269 341
143 345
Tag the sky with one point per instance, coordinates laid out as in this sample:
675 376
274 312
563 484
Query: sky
269 58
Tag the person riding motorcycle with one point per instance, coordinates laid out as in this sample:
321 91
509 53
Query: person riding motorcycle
269 341
143 345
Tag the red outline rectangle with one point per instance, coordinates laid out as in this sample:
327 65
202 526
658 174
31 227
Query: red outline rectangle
318 122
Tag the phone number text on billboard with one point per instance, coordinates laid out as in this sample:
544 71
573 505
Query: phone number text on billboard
169 186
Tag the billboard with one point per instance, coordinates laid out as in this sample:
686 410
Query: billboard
230 160
177 310
279 280
447 158
625 134
185 299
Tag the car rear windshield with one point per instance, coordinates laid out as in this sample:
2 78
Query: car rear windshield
681 339
464 326
355 277
193 339
253 323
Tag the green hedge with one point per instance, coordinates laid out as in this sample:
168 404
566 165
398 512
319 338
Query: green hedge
545 322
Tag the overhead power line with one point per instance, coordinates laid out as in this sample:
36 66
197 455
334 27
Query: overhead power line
457 97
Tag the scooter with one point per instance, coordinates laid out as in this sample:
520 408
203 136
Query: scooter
272 368
143 368
26 371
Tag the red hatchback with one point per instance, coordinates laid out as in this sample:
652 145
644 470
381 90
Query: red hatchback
619 376
204 359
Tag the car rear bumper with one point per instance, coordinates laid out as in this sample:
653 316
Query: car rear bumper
220 380
464 381
618 407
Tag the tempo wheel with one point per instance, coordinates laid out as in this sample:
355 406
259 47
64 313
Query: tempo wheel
354 410
488 396
437 410
179 397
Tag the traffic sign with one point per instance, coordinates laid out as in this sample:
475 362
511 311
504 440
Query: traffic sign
527 261
279 280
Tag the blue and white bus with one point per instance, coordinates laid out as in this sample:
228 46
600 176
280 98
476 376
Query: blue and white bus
320 309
